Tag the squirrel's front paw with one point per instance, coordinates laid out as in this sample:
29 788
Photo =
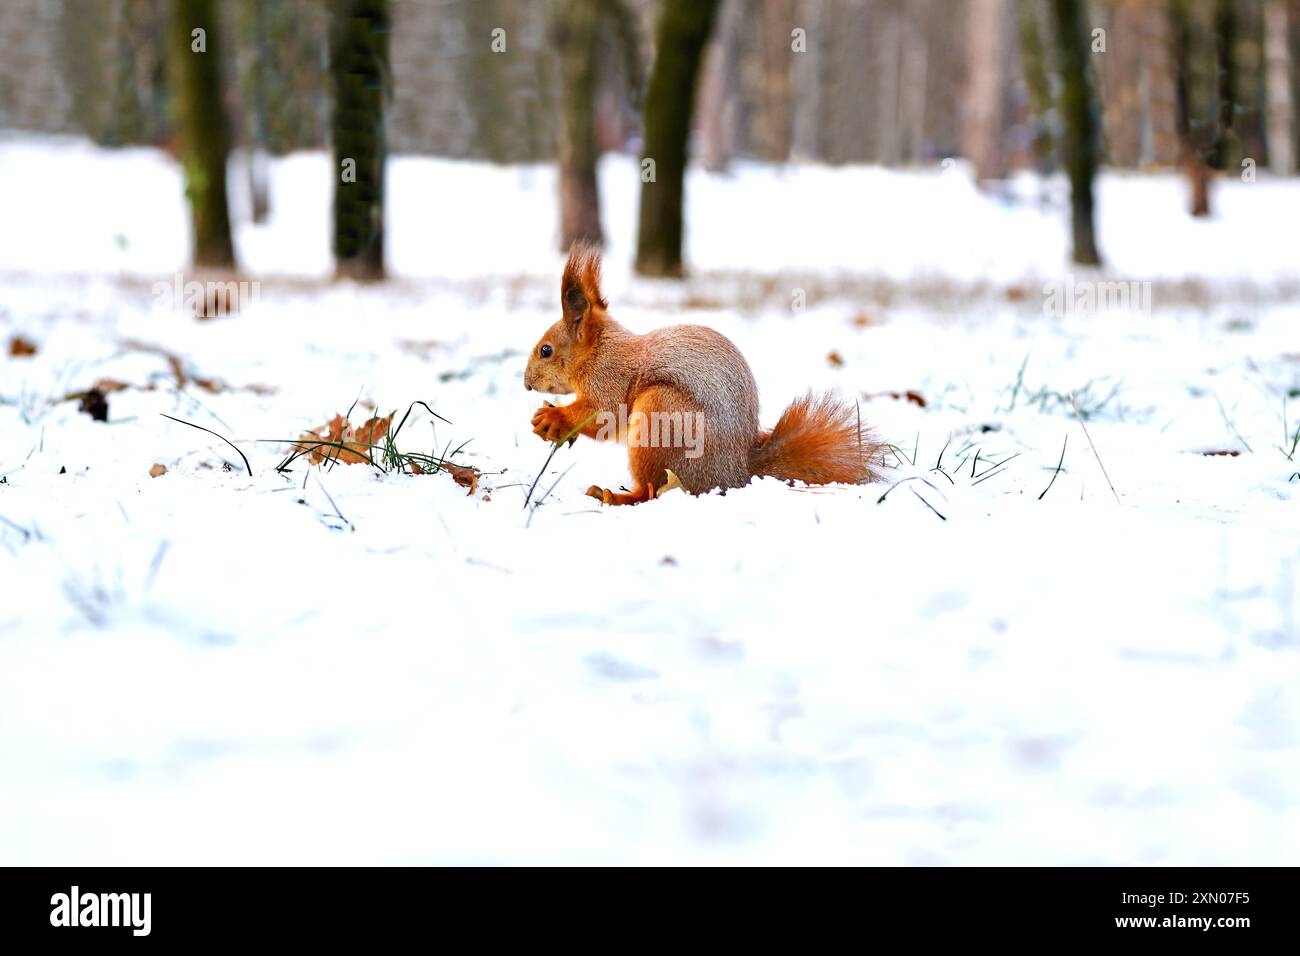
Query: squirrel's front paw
553 424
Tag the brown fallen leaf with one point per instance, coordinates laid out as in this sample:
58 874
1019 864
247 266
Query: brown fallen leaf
916 398
835 359
464 476
349 444
213 386
157 471
20 347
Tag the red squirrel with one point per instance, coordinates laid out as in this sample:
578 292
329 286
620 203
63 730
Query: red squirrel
683 398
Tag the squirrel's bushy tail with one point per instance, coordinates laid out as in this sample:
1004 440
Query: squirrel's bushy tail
819 440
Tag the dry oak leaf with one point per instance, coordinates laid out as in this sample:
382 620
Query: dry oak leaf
347 443
463 476
107 385
157 471
20 346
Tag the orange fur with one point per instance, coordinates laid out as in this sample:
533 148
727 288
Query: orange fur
691 375
818 440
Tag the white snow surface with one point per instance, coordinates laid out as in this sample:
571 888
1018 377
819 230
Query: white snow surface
340 666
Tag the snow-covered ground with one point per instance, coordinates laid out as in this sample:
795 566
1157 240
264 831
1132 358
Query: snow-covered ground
340 666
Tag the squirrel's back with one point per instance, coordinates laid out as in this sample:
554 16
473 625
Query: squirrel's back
707 366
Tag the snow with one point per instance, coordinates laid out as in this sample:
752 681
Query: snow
337 666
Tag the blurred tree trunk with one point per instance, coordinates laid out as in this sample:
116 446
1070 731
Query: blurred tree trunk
128 117
1034 65
360 74
486 85
203 135
808 86
851 78
1079 118
1159 128
574 34
83 41
1250 117
621 61
681 36
1226 141
719 89
777 22
256 62
1190 154
982 123
1122 80
888 127
1277 84
916 55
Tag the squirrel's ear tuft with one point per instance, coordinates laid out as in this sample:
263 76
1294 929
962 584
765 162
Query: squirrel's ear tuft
580 289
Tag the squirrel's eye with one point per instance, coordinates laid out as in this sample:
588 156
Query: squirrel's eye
545 351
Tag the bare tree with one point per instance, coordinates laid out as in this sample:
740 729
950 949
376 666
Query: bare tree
487 86
1277 85
203 132
1159 139
1226 140
1034 65
580 30
683 31
777 24
359 68
1191 154
986 56
1079 118
574 33
718 95
1121 78
915 72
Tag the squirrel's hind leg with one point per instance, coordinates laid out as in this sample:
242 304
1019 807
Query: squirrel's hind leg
634 497
645 467
652 444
